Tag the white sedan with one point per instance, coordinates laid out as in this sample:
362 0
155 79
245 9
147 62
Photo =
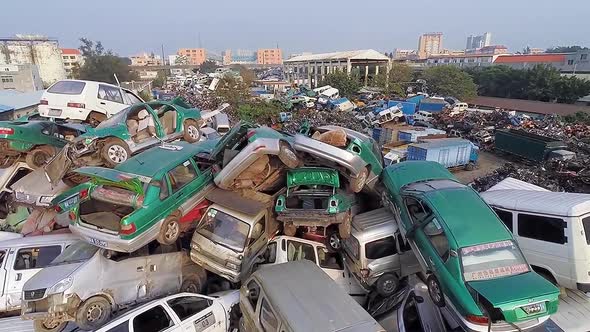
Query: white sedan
184 312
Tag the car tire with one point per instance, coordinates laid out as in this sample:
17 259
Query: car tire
38 157
345 227
387 284
93 313
170 231
191 285
288 156
42 326
114 152
289 229
191 133
333 241
435 291
357 183
8 161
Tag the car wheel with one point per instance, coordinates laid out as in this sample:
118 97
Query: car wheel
93 313
7 161
169 231
357 183
38 157
345 227
435 291
386 285
289 229
191 285
114 152
48 326
333 241
287 155
192 133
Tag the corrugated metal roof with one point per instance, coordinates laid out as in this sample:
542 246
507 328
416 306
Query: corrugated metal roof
20 100
554 203
527 106
345 55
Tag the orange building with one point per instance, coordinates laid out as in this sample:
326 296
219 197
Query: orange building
196 56
270 56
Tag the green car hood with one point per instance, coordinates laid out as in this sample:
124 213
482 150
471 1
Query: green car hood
407 172
519 289
102 175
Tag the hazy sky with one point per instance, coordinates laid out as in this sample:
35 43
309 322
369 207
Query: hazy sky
131 26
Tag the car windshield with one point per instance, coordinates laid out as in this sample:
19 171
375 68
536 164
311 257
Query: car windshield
78 252
226 230
492 260
120 117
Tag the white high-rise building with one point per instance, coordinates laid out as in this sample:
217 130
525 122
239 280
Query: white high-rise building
475 42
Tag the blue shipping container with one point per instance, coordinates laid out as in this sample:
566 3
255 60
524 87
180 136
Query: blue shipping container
408 108
431 107
416 99
449 152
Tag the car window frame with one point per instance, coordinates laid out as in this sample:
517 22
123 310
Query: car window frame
263 300
122 102
426 219
183 319
169 314
432 218
39 247
190 164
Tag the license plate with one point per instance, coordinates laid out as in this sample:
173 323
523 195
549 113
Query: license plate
54 112
533 309
204 322
70 202
97 242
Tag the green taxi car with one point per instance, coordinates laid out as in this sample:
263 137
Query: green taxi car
157 194
35 141
473 263
134 129
314 199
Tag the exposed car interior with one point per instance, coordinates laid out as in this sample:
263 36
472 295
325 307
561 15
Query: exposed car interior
140 124
167 116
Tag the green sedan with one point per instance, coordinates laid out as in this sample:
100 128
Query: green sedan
473 264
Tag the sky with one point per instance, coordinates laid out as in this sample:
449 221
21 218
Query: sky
130 27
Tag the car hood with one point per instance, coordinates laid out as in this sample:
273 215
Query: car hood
529 287
51 275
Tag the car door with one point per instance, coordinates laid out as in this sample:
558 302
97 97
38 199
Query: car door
3 275
27 262
257 242
164 264
198 314
126 273
407 259
110 99
181 179
155 319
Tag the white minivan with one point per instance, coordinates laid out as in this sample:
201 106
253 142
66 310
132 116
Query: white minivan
86 101
552 229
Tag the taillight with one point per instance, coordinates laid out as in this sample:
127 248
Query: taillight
127 229
77 105
43 102
72 215
250 133
480 320
83 193
6 131
58 209
365 273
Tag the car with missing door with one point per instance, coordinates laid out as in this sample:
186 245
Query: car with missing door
157 194
355 155
35 142
474 266
127 133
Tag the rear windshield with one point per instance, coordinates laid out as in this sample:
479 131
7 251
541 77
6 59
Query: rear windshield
586 224
67 88
492 260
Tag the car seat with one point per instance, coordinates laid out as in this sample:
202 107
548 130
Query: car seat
145 127
169 122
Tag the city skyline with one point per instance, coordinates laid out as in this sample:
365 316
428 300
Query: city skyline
243 26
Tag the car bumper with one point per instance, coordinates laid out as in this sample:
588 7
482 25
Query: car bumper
114 242
215 267
352 162
60 307
310 218
58 112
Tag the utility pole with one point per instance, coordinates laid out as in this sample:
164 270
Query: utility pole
163 64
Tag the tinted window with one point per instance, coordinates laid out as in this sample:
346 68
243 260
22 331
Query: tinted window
272 253
435 233
123 327
163 188
2 254
187 306
380 248
268 320
330 260
506 217
181 175
541 228
417 211
110 93
299 251
67 88
585 223
35 258
154 320
403 244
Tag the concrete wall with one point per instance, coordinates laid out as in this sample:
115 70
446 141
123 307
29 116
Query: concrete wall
23 78
43 53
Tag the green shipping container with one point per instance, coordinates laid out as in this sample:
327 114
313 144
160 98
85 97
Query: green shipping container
528 146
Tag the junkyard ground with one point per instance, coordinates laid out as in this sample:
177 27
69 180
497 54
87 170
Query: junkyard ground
487 162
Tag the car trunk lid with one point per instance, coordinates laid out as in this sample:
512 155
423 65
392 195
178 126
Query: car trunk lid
111 177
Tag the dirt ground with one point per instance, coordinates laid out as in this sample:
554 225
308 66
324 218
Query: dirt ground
487 163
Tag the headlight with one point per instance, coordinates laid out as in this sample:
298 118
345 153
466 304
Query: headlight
231 265
45 199
89 140
61 286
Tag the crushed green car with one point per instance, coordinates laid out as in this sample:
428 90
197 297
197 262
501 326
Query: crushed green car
314 199
134 129
155 195
474 266
35 141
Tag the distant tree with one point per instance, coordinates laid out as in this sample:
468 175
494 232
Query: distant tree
233 90
208 67
259 112
566 49
348 85
160 79
100 65
247 74
450 81
394 82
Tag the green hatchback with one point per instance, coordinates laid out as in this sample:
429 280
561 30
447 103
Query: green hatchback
35 141
157 194
473 263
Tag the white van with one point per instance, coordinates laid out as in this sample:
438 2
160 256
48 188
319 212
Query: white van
423 116
21 259
327 95
8 176
552 229
322 89
87 101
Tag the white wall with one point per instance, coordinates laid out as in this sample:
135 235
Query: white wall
45 54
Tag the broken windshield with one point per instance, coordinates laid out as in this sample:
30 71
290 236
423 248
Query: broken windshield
78 252
226 230
492 260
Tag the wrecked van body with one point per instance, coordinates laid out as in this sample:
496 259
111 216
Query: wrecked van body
8 176
155 195
234 232
86 284
35 142
134 129
356 155
253 157
314 199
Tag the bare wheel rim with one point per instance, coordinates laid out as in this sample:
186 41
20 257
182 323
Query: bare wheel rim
289 155
334 241
94 312
50 324
434 291
171 231
388 286
193 132
40 158
117 154
192 288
